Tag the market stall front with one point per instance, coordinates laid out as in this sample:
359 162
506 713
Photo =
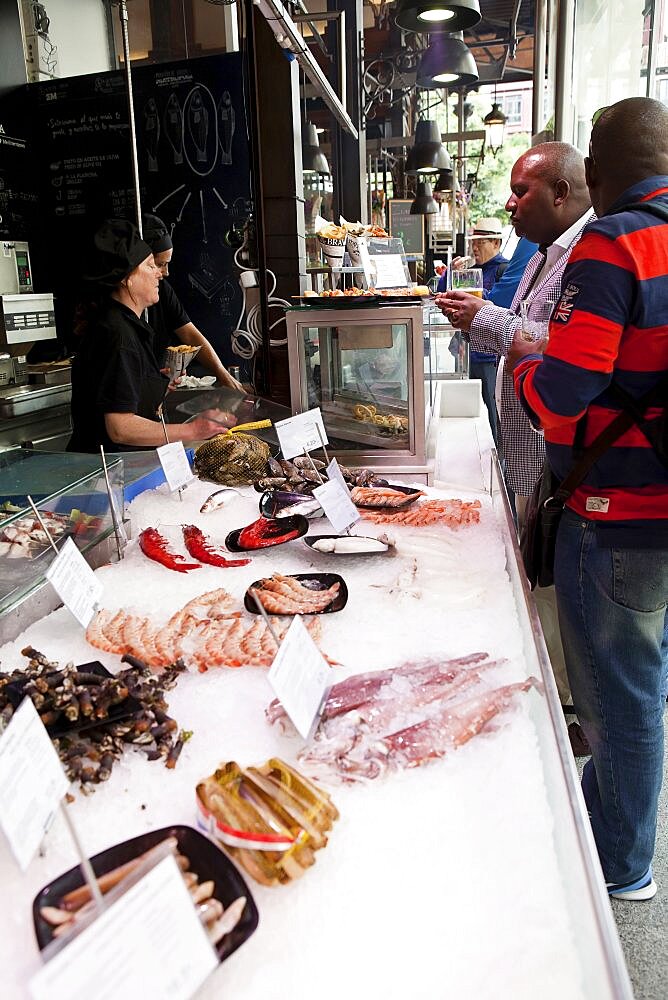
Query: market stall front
473 875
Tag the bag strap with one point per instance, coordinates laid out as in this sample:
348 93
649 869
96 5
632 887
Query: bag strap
621 423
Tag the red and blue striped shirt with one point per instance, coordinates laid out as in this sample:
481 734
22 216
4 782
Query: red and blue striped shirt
611 323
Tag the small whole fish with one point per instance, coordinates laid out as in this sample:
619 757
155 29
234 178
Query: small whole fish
307 508
216 500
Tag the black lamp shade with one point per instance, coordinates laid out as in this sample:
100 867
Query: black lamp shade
425 203
313 158
428 155
444 181
447 62
437 15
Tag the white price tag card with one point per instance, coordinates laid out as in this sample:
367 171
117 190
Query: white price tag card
32 782
75 583
151 936
175 465
301 678
334 473
390 270
337 505
300 433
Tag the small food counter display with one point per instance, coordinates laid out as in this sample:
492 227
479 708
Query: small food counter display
474 875
363 365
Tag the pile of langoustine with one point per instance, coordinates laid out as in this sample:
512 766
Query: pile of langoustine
393 719
392 508
208 631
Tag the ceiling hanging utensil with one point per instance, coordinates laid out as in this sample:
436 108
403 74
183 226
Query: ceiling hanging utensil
437 15
447 62
428 155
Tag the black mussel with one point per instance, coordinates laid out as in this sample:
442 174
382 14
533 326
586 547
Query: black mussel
378 481
270 483
266 532
302 462
313 476
274 467
282 503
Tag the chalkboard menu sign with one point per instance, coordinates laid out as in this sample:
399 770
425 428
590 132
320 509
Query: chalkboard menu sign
406 227
193 168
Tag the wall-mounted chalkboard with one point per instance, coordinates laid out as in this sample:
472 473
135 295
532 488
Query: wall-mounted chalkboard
193 167
406 227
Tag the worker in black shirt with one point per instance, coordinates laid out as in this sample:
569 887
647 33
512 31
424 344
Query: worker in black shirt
117 385
168 318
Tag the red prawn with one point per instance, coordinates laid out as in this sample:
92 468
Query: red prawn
155 547
199 547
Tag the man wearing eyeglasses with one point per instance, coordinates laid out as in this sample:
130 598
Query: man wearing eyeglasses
607 356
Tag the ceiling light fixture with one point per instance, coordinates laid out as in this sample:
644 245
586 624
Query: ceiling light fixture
313 159
424 203
495 126
428 155
437 15
446 62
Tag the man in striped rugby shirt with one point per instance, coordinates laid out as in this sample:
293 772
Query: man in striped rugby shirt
609 332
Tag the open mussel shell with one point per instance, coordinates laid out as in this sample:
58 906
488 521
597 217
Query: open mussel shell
347 545
410 493
266 532
281 503
313 581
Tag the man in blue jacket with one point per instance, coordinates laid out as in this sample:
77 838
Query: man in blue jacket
486 242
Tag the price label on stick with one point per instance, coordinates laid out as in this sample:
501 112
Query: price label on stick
334 473
175 465
162 938
75 583
337 505
301 678
300 433
32 782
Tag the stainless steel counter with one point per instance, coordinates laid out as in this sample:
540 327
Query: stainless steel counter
21 400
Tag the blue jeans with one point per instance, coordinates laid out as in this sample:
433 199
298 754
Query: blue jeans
486 372
614 627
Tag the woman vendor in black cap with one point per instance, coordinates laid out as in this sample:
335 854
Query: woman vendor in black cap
117 384
168 318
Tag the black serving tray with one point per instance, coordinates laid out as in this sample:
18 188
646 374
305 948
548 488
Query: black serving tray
411 494
315 538
124 710
206 860
293 523
339 301
314 581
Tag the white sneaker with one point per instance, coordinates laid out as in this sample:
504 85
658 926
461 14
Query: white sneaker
642 889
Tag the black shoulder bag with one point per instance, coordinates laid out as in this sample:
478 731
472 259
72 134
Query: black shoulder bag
546 504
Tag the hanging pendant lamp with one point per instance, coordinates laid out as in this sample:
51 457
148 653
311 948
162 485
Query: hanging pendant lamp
447 62
313 159
424 203
428 155
495 125
444 182
437 15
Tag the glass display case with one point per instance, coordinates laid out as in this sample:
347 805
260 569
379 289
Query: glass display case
71 495
364 367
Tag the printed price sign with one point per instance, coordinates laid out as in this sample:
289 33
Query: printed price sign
75 583
337 505
333 471
300 433
390 271
161 937
175 465
301 678
32 782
